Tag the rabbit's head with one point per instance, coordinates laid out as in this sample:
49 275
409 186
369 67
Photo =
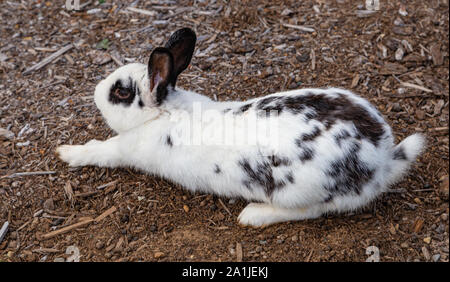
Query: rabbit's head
126 95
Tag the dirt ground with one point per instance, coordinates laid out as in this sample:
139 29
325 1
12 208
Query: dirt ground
396 57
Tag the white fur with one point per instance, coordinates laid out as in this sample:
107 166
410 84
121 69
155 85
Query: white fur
141 143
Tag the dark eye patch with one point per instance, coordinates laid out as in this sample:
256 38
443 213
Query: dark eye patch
123 92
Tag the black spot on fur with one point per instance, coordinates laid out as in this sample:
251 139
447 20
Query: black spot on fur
169 141
328 199
399 154
141 104
342 135
277 161
242 109
311 136
349 173
309 116
217 169
306 154
269 104
260 175
290 177
123 92
328 110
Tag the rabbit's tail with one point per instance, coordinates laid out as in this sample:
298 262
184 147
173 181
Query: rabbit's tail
404 154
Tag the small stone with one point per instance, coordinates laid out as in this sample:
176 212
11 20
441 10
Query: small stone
426 253
186 208
49 204
402 10
57 221
399 54
153 228
436 257
303 57
286 12
396 107
294 238
404 245
417 201
427 240
59 260
398 22
10 254
12 244
100 245
125 218
440 229
158 255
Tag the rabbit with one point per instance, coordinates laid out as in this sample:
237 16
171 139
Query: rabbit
332 150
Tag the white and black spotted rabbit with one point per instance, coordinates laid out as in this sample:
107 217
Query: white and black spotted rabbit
334 153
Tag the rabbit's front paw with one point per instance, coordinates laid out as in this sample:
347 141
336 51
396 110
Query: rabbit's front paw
74 155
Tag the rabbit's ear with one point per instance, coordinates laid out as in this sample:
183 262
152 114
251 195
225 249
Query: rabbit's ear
160 72
181 44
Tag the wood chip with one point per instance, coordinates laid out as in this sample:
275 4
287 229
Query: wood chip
142 11
29 173
107 184
355 81
6 133
46 251
66 229
4 230
86 194
49 59
415 86
403 30
312 56
300 27
392 68
225 207
417 226
239 253
105 214
68 191
435 50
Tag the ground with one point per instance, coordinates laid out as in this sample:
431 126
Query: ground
396 57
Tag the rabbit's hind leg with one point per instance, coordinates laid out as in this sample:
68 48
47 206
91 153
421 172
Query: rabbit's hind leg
262 214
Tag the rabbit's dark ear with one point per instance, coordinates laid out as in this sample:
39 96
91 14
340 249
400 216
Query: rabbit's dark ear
181 44
160 72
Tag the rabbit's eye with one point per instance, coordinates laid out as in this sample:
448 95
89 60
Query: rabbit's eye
122 93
